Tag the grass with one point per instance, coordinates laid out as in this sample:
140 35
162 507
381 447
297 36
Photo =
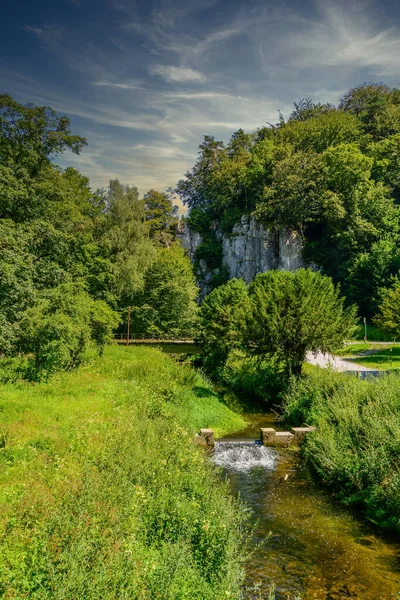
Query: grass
356 445
386 359
381 357
354 350
102 493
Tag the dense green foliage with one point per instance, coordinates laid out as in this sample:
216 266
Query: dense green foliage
166 303
388 317
332 174
57 329
254 336
291 313
69 256
220 317
103 494
356 445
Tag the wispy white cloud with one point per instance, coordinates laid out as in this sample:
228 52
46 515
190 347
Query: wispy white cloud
339 35
178 74
119 85
214 66
50 34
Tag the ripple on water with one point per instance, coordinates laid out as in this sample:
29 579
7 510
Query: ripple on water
239 457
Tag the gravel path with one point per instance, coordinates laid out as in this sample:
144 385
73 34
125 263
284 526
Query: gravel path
337 363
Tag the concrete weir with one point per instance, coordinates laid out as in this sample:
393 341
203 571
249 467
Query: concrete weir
271 437
268 437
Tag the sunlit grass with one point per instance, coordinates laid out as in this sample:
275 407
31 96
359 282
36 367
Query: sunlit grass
386 358
102 493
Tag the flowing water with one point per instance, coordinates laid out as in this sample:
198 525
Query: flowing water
311 546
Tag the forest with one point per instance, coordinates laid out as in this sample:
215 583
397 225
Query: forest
330 173
73 259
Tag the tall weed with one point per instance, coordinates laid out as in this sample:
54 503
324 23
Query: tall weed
356 445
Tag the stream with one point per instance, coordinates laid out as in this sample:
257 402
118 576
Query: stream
311 546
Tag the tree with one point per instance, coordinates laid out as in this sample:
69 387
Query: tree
370 274
377 107
388 317
58 328
294 197
166 304
31 135
289 314
320 131
220 330
306 109
161 215
386 167
198 189
126 238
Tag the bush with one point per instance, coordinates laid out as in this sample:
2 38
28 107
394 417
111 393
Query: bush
356 445
61 325
255 379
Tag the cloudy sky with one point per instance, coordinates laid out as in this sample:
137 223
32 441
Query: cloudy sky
145 80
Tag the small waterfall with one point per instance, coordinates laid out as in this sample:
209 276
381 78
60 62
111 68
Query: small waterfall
243 455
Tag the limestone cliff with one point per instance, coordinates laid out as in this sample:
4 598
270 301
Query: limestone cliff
248 250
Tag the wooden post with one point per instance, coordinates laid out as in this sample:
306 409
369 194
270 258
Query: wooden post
129 325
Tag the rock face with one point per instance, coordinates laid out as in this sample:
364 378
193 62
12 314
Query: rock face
190 239
248 250
251 249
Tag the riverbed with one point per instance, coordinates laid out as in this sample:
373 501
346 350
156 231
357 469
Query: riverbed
311 546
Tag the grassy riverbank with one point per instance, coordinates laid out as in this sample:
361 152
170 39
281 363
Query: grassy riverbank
356 446
103 494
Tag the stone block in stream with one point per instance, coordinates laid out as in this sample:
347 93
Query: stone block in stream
208 435
268 436
283 438
300 433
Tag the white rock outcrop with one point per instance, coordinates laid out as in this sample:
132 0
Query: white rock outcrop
248 250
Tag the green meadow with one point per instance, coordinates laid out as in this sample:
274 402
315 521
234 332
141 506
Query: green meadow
102 492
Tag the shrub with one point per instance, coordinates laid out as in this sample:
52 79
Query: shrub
61 325
356 445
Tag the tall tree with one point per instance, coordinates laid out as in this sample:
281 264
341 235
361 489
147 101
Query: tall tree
161 215
31 135
377 107
127 239
166 304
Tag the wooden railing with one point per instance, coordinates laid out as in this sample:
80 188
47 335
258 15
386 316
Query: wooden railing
135 338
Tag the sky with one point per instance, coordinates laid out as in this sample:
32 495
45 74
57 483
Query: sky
144 81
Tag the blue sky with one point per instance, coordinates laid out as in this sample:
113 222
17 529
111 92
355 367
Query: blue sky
144 81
